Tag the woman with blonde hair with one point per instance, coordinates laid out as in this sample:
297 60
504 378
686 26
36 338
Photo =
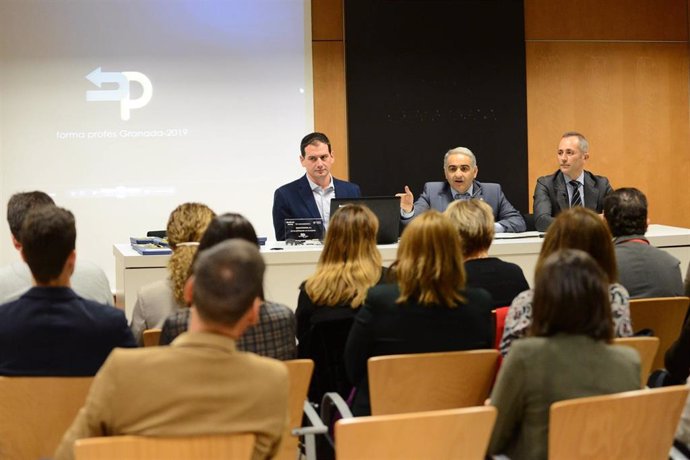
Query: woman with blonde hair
186 225
350 263
575 228
429 309
474 221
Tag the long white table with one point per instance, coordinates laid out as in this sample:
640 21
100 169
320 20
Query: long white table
287 267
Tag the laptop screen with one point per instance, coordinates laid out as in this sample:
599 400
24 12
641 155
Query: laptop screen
387 210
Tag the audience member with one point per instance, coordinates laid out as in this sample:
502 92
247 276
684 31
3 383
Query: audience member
88 280
571 185
200 384
677 357
475 222
576 228
428 310
460 169
567 356
155 301
349 264
274 335
311 194
644 270
50 330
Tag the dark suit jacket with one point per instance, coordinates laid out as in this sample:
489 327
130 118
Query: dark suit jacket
51 331
383 327
438 195
551 197
296 200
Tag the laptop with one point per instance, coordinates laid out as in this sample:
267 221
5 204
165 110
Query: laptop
386 208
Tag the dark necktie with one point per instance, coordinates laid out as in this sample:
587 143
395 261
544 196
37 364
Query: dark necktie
462 196
576 199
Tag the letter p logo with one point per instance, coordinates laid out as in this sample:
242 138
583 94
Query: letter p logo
121 94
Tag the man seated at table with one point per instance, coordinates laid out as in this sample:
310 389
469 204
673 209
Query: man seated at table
310 196
88 280
571 185
644 270
200 384
50 330
460 169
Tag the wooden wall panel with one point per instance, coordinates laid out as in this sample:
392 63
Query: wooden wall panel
330 115
630 100
664 20
327 20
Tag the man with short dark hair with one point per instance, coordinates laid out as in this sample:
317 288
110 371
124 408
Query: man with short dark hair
88 280
310 196
200 384
50 330
644 270
571 185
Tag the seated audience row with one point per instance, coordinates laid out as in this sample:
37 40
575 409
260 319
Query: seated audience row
349 264
576 228
200 384
274 334
566 356
475 223
645 271
88 280
155 301
50 330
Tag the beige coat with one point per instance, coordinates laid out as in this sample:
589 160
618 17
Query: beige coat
198 385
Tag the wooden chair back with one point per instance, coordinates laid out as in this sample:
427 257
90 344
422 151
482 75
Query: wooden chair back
663 315
152 337
646 347
35 412
430 381
633 424
444 434
212 447
300 371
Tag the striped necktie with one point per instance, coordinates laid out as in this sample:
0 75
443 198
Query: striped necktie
576 199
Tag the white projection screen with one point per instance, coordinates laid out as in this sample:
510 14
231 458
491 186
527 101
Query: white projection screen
199 100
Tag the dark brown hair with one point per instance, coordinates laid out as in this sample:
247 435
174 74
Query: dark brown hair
19 206
571 297
48 238
581 228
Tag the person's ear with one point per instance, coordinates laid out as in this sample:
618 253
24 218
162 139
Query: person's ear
71 261
188 290
255 312
17 245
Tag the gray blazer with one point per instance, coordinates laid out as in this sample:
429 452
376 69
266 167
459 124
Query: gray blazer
551 197
438 195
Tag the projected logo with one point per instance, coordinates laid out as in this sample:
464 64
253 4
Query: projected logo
123 81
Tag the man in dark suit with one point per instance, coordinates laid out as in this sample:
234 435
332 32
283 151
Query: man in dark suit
310 196
50 330
571 185
460 168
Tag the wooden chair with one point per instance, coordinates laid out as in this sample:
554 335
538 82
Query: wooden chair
634 424
430 381
646 347
444 434
152 337
663 315
36 411
300 371
213 447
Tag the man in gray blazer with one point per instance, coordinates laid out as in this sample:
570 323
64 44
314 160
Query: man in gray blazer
565 188
460 169
644 270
